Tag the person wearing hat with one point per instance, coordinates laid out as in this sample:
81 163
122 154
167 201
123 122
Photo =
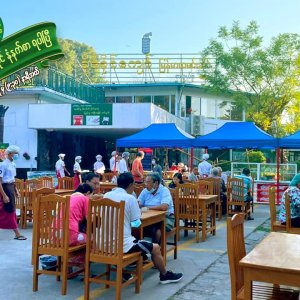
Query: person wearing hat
123 164
77 172
60 166
294 194
8 191
99 166
204 168
113 163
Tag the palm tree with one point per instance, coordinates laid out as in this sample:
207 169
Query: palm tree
3 110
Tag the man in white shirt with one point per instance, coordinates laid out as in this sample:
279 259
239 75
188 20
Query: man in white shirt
204 167
113 163
99 166
132 219
60 166
123 167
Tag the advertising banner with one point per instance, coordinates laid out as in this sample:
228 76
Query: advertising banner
263 192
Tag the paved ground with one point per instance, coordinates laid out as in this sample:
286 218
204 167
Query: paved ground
205 268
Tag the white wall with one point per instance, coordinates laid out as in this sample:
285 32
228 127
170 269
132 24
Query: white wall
16 129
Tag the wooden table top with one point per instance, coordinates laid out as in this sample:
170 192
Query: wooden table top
152 213
207 197
62 191
107 183
278 251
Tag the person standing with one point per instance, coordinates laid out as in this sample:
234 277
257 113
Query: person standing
113 162
77 172
123 165
156 167
60 166
8 191
99 166
204 168
137 168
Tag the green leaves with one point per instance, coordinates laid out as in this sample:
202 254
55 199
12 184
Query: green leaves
1 29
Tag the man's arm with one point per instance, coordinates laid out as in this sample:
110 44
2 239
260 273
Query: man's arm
162 207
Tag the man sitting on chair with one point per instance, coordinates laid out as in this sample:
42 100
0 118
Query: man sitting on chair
247 187
123 192
157 197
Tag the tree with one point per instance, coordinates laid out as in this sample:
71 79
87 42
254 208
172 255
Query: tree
80 61
3 110
262 80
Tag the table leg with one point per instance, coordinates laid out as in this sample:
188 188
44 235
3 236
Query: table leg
214 217
204 216
247 285
163 242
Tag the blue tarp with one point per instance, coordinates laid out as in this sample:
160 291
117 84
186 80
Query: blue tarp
166 135
290 142
236 135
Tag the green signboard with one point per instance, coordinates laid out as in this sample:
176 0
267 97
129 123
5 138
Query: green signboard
34 45
91 114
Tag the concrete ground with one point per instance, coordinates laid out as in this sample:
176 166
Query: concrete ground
204 265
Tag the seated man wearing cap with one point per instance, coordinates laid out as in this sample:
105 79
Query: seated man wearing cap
204 168
99 166
157 197
60 166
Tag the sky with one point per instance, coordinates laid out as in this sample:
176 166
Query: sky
177 26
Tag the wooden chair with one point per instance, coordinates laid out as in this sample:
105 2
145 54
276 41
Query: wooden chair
275 224
51 227
235 198
29 186
175 231
216 190
20 201
138 188
105 229
289 227
66 183
36 195
47 181
205 187
189 208
236 251
108 176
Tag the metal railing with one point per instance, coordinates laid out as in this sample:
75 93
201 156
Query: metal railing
62 83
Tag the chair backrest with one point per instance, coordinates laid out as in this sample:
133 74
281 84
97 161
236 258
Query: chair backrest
205 187
235 190
20 187
51 223
66 183
188 195
47 181
108 176
216 186
272 206
29 186
236 251
105 228
138 188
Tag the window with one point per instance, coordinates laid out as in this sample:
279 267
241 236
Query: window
173 104
110 99
142 99
162 102
124 99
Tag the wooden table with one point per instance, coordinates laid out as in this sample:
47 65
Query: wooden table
106 187
206 200
276 259
63 192
151 217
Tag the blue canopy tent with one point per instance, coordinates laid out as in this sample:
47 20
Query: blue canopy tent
236 135
166 135
290 142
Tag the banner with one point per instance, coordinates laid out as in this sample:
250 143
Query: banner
91 114
34 45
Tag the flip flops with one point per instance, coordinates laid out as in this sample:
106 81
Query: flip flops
20 238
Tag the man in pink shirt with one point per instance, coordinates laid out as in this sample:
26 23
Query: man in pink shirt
137 168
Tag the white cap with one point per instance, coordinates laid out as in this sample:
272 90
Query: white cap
77 158
113 153
205 156
125 154
61 155
98 156
12 149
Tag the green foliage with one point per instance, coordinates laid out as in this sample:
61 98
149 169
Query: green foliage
261 80
225 165
255 157
80 61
